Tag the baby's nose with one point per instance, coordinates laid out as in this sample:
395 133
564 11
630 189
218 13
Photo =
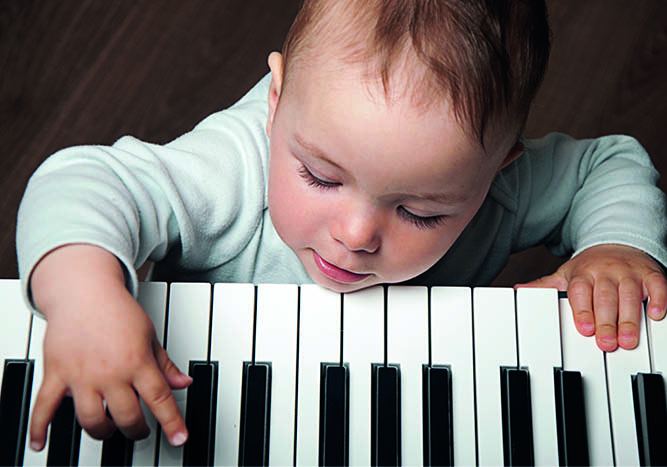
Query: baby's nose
358 233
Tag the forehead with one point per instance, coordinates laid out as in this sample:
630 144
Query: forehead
387 138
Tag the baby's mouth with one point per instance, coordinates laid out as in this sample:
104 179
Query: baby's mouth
335 273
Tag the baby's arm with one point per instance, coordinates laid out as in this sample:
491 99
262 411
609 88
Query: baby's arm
606 285
100 346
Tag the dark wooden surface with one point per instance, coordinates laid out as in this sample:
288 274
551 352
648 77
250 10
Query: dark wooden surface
89 71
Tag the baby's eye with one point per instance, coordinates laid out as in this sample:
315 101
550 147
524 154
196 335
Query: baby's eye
421 222
314 181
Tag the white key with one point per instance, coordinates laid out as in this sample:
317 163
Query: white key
319 341
152 296
495 346
581 354
451 344
658 346
538 329
363 344
621 364
231 345
187 339
15 319
90 450
38 329
276 343
407 342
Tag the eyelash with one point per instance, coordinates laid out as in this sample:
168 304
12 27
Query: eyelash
313 181
429 222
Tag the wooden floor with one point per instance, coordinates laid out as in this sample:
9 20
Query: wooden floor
89 71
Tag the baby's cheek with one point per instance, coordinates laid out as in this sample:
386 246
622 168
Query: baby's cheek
413 256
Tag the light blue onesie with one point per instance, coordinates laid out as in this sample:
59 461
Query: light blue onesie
198 205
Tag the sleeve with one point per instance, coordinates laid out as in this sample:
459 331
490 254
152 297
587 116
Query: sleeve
575 194
140 200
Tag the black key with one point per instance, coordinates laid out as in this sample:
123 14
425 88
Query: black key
117 450
385 414
437 415
255 414
334 414
570 418
648 390
14 407
64 436
517 418
200 413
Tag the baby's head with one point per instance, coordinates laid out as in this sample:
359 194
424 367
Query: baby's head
388 121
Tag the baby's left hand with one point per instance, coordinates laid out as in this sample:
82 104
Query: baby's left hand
606 285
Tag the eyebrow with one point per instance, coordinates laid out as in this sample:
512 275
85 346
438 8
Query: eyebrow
313 150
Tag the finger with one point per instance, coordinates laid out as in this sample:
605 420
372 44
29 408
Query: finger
175 377
605 308
126 412
580 296
629 313
157 396
92 415
47 401
656 289
553 281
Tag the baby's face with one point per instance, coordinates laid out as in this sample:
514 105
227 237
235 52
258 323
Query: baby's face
365 191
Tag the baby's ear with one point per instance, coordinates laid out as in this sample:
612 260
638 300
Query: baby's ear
276 67
513 153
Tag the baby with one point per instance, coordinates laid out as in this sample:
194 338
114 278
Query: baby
385 146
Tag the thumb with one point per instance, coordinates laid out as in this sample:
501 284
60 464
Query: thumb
175 378
555 281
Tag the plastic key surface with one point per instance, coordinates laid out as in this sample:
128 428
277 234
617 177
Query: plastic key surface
37 331
495 347
255 415
231 344
407 347
117 450
581 354
517 422
186 339
14 406
334 415
319 341
570 418
15 318
538 334
275 342
651 417
621 365
65 435
437 416
363 344
386 415
452 345
201 413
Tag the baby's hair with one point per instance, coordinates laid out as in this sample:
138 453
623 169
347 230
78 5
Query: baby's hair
487 56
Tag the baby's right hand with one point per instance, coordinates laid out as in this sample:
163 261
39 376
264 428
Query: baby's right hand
100 346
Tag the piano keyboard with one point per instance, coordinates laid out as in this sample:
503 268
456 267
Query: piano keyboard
440 376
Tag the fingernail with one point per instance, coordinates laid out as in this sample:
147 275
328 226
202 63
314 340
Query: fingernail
608 340
627 338
35 445
654 313
587 327
178 439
